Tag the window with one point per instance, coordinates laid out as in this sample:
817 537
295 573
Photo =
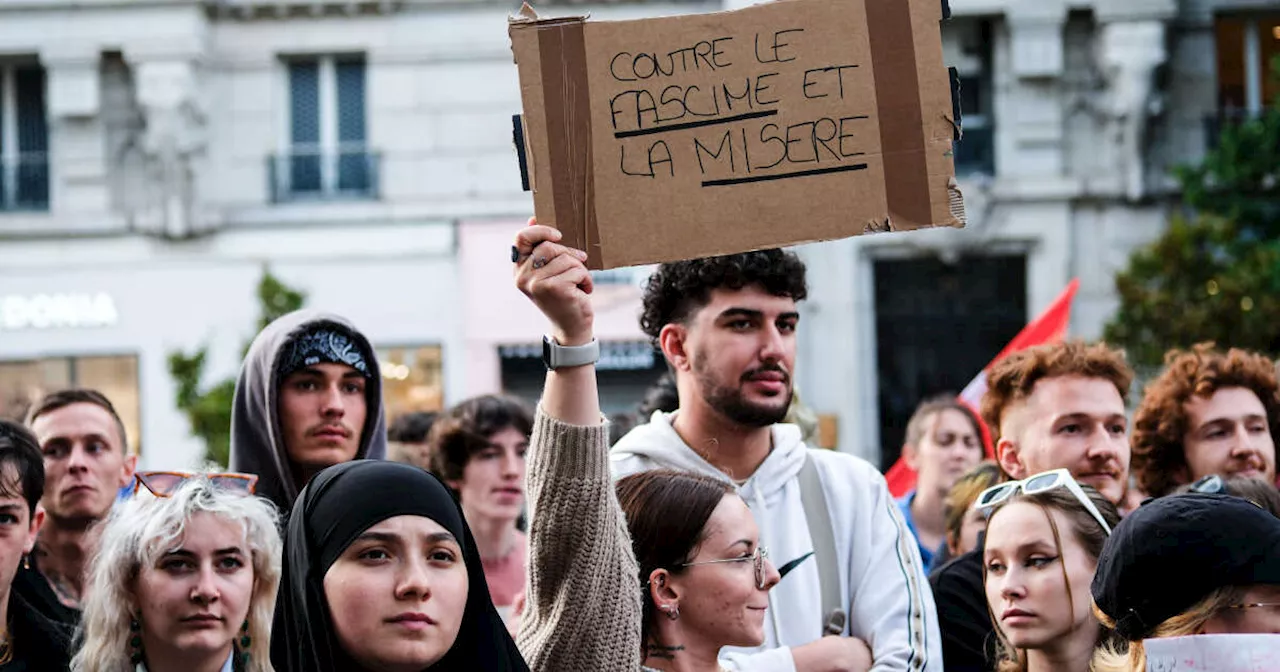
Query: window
24 139
967 44
1246 47
327 153
23 383
412 379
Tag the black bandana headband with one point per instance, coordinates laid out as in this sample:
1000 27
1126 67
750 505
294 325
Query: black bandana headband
322 345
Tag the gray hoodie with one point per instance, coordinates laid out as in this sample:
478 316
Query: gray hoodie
257 445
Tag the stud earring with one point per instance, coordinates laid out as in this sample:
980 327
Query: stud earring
672 611
26 561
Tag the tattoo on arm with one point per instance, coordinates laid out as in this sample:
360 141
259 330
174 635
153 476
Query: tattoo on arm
663 652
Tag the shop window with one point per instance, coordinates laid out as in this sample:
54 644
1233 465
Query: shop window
412 379
23 383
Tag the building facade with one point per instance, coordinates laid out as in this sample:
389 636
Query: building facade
157 155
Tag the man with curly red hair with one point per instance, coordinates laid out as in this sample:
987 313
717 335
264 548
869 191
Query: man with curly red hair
1209 412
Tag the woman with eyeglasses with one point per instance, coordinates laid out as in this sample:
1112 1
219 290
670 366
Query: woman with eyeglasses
1183 565
658 573
1044 537
184 579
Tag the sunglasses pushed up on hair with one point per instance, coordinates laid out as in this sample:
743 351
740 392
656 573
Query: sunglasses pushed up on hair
1041 482
165 483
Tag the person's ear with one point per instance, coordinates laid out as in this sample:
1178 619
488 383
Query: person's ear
1010 459
953 544
37 521
911 456
127 469
664 592
673 339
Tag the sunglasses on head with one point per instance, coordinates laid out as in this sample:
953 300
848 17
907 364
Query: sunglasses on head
1048 480
165 483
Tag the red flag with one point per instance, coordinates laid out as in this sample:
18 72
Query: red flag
1049 327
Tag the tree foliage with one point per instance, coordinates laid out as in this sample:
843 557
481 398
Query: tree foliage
209 411
1214 275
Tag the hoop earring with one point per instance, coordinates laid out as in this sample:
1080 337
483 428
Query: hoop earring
135 641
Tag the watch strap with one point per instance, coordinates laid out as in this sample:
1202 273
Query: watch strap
568 356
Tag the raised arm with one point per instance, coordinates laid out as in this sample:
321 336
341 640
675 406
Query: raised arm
583 607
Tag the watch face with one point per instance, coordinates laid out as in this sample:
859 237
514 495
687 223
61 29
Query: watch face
546 352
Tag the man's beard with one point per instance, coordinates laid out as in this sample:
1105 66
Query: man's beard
729 401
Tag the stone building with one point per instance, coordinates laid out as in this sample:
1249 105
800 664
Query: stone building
155 155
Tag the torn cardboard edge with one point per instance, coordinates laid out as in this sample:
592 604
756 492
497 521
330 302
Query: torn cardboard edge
557 152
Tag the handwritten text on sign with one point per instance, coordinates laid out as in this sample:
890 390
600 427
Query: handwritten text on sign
731 109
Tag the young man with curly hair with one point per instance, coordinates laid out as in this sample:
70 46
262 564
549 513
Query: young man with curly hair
1209 412
1049 407
727 327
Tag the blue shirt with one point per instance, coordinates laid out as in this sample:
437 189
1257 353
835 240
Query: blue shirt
926 554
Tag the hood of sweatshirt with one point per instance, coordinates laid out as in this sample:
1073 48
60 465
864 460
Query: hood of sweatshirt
257 443
658 441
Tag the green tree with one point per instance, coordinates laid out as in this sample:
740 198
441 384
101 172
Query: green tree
1214 275
209 411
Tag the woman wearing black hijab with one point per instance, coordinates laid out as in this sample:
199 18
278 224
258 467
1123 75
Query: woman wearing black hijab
381 573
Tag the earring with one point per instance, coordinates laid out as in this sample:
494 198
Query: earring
245 642
26 561
135 641
672 611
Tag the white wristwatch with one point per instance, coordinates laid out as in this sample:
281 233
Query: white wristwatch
556 356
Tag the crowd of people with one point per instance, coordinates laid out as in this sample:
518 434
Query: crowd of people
711 536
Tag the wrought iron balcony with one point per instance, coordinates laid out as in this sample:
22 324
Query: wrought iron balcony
351 172
24 181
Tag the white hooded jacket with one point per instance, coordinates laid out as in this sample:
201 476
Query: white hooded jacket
890 605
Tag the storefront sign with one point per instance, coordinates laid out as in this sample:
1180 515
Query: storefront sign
57 311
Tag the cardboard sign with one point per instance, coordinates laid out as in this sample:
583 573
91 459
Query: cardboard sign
679 137
1213 653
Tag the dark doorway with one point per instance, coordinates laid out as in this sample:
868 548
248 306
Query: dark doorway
937 325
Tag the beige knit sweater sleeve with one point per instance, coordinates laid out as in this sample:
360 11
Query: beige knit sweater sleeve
584 601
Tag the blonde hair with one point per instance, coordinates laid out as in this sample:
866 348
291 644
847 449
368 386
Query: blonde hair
962 495
1112 658
136 534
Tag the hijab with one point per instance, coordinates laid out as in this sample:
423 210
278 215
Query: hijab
291 341
335 508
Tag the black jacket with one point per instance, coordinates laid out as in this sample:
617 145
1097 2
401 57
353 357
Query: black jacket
39 644
968 637
36 592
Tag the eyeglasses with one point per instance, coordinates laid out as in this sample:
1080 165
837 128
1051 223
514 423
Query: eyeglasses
165 483
1048 480
1210 485
757 558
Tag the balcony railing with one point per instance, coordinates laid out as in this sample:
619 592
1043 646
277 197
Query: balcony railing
307 175
24 181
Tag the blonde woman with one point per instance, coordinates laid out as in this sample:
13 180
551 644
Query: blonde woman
1044 537
183 581
1193 564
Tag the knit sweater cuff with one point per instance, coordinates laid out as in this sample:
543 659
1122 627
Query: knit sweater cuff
571 450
